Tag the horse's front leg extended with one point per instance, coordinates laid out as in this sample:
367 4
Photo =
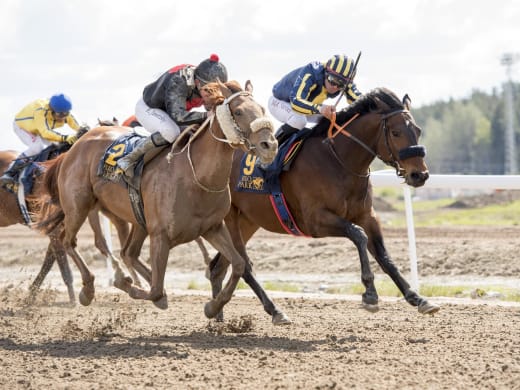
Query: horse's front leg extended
220 239
377 248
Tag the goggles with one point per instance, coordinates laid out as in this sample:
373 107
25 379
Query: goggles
61 115
336 81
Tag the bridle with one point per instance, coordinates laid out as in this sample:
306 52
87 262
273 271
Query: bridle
233 133
406 153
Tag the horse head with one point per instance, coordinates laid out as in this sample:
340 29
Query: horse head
242 120
398 146
389 132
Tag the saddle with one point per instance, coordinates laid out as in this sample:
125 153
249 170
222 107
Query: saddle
266 180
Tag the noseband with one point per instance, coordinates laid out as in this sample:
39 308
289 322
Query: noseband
232 131
406 153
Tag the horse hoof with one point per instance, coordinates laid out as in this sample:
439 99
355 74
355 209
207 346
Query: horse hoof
372 308
211 309
124 284
85 299
161 303
281 319
428 308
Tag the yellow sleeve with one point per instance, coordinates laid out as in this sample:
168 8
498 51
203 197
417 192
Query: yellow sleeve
44 128
72 122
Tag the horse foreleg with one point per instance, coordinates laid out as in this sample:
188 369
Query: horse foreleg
220 239
159 250
131 250
377 248
121 281
357 235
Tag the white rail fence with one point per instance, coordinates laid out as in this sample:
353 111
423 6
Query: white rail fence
388 178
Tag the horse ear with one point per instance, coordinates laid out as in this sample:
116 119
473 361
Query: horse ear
407 102
249 86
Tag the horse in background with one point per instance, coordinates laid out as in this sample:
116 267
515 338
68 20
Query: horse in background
185 195
327 192
11 213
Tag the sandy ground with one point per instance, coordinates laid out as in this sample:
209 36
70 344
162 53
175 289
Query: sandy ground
333 343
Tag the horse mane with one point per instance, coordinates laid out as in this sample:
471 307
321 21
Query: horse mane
378 99
212 92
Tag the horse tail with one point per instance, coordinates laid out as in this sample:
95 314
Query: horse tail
50 215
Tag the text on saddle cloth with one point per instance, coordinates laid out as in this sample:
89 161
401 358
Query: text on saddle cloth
119 148
266 180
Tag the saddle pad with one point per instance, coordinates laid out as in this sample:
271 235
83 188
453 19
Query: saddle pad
117 149
266 180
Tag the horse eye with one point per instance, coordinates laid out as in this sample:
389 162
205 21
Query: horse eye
396 133
237 112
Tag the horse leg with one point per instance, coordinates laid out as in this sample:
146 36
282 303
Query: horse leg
76 211
241 230
131 249
66 273
44 270
159 250
377 248
220 238
120 279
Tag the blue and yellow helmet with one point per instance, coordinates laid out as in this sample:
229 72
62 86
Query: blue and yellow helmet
341 66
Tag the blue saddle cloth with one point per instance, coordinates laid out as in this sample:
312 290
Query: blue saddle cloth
266 180
117 149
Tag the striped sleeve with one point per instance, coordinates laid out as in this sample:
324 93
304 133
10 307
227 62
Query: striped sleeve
303 87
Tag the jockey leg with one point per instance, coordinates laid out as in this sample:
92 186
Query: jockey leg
127 163
14 167
284 132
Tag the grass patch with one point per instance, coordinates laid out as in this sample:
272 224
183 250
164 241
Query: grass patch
388 289
435 213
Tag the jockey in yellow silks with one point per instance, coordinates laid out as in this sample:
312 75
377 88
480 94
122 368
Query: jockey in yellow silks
36 126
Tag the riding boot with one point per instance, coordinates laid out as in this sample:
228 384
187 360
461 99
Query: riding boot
14 167
284 132
127 163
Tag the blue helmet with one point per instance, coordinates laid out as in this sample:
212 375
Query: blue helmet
60 103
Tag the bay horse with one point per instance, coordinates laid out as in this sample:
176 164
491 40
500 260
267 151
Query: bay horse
329 194
185 196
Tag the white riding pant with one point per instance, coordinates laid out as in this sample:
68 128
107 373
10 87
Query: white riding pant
283 112
34 142
155 119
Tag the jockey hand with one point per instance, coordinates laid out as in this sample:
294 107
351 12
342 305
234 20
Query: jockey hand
70 139
327 111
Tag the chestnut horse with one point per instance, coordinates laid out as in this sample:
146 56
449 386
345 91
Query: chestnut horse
184 196
329 194
11 214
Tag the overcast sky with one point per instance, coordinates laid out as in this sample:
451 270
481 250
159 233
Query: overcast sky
102 53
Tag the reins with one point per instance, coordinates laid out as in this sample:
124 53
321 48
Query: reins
342 130
233 134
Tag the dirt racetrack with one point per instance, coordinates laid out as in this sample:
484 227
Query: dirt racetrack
333 343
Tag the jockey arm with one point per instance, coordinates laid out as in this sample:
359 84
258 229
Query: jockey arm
176 99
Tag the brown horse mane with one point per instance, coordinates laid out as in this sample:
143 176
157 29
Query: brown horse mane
372 101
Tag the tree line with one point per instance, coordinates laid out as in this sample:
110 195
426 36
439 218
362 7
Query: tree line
466 136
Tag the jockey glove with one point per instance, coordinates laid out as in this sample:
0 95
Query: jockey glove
70 139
